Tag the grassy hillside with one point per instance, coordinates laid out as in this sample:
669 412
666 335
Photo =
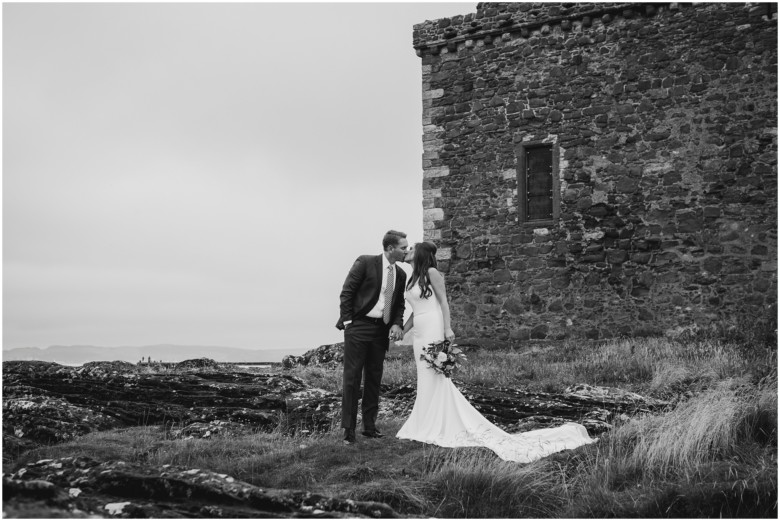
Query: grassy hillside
712 453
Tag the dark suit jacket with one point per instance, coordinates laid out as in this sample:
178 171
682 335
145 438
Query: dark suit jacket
360 292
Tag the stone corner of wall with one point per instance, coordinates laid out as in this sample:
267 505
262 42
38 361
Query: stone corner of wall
498 19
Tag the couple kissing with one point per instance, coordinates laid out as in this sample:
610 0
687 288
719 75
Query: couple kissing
372 303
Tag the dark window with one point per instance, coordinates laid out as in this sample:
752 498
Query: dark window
537 175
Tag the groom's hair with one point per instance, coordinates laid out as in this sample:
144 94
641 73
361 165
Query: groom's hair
392 238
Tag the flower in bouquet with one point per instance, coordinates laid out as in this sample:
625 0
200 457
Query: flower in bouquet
443 357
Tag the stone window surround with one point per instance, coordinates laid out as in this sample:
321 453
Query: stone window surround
520 149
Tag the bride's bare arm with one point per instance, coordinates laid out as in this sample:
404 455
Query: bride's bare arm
409 324
437 282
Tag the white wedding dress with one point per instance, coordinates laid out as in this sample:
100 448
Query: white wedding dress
443 416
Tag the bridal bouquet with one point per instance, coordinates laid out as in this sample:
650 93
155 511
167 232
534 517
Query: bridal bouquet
443 357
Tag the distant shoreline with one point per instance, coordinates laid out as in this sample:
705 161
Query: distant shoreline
153 363
160 353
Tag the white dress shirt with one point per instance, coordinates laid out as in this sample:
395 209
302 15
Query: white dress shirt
377 311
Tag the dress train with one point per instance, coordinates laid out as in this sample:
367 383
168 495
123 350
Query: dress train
441 415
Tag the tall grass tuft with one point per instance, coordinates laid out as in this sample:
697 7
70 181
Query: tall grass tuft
697 431
474 483
712 455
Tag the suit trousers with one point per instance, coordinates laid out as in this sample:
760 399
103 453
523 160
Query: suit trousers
365 346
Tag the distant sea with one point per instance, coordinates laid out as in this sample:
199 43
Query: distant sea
81 354
257 366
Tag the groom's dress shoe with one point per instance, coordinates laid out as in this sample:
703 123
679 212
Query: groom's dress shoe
349 437
373 434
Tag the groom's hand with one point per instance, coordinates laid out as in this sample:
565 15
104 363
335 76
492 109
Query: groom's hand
396 333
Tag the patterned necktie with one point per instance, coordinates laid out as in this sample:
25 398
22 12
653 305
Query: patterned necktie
388 294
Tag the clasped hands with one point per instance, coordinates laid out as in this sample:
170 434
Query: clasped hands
396 333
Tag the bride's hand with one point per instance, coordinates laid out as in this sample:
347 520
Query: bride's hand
449 335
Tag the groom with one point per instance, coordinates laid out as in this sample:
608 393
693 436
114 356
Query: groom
372 311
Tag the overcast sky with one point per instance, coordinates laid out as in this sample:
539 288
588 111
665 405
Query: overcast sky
203 174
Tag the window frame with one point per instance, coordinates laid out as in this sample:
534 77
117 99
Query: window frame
522 186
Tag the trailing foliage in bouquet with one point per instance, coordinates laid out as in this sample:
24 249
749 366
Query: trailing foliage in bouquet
443 357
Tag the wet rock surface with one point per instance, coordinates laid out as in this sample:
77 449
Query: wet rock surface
83 487
46 402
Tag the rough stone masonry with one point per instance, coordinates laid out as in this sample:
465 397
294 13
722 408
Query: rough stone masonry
661 120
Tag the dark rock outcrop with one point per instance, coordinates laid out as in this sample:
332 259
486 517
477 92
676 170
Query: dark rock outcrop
328 356
45 402
82 487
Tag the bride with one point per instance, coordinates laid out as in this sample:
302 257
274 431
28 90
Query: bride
441 414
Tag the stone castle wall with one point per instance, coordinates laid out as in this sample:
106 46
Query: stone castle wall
664 118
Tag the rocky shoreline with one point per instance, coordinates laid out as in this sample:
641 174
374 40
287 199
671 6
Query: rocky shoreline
83 487
47 403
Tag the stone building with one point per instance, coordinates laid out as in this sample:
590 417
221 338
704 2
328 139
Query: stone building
596 170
